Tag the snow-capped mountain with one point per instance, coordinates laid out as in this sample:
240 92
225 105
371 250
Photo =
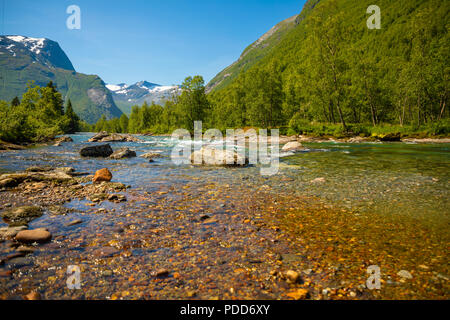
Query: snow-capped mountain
40 50
126 95
24 59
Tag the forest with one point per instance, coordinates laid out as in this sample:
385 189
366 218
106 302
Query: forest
330 75
38 117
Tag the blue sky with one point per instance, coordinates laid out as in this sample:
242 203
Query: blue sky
160 41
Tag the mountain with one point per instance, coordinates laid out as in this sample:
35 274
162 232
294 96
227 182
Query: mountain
24 59
126 96
253 53
328 66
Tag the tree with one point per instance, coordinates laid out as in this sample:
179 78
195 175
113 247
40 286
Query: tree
123 123
15 102
193 104
74 120
328 32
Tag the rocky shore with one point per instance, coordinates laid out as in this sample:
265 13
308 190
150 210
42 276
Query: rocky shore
198 238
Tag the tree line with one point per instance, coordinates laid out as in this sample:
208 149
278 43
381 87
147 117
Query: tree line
38 117
329 70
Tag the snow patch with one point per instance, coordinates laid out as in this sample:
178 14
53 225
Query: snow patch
33 44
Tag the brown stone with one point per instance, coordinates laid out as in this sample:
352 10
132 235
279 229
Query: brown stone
102 175
292 276
33 296
299 294
37 235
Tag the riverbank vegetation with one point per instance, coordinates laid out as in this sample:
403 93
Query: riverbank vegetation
38 117
328 76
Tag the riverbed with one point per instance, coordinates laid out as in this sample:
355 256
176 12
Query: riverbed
332 211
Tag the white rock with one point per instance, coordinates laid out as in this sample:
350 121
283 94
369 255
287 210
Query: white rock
217 157
405 274
292 146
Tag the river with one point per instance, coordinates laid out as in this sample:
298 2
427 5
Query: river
336 207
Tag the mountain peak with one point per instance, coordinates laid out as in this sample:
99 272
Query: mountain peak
40 50
126 95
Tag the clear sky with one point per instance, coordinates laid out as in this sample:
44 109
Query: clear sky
161 41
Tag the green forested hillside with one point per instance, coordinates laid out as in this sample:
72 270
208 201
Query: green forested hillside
38 116
252 54
330 68
20 65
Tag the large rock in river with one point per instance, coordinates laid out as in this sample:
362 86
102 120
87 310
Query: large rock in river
21 215
210 156
292 146
113 137
37 235
123 153
100 151
102 175
37 174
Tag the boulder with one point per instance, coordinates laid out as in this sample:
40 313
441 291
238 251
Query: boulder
217 157
151 155
99 136
63 139
40 235
8 183
10 146
102 175
37 174
22 215
100 151
123 153
113 137
292 146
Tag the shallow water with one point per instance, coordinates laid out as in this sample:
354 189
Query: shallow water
406 181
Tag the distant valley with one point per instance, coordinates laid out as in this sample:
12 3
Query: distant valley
125 96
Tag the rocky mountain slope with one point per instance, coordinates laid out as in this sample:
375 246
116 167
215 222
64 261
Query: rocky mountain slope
126 96
24 59
253 53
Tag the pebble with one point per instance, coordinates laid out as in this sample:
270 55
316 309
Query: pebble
75 222
5 273
161 273
33 296
25 249
292 276
405 274
299 294
191 294
105 252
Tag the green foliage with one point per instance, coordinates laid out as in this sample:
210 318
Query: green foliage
192 105
326 73
74 121
330 68
38 117
88 93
